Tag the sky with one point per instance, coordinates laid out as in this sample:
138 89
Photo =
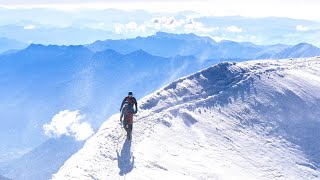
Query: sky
262 22
301 9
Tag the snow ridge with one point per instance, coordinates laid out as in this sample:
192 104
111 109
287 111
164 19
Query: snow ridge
250 120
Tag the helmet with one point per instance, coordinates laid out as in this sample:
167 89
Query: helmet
130 93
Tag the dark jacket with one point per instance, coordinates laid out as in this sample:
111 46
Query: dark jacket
132 101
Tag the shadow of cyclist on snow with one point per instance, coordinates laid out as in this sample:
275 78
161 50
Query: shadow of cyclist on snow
125 159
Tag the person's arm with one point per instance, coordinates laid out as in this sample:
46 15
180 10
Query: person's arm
121 116
136 104
122 103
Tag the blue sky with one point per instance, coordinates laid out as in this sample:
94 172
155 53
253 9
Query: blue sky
293 21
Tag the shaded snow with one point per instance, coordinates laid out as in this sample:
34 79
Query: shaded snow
250 120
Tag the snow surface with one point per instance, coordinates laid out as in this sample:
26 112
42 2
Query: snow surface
248 120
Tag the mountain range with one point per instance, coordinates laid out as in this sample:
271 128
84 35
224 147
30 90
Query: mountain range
94 78
167 45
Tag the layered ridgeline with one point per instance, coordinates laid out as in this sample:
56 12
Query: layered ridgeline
249 120
10 44
203 47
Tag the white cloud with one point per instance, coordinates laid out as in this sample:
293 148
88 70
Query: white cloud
130 27
165 24
100 25
245 38
68 123
234 29
29 27
118 28
192 25
302 28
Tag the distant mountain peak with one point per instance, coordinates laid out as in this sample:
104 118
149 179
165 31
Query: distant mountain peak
77 48
166 34
32 45
110 51
300 50
107 54
57 47
41 47
304 45
189 36
139 53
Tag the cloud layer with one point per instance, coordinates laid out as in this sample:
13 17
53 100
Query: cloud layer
302 28
68 123
165 23
248 8
234 29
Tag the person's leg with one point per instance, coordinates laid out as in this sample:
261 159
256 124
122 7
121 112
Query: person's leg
130 118
130 131
125 124
130 125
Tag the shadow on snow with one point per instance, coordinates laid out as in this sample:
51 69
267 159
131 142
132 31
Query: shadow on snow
125 159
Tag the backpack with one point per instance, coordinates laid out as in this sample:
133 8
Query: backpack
130 101
125 110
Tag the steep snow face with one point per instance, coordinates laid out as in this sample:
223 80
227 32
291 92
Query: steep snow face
250 120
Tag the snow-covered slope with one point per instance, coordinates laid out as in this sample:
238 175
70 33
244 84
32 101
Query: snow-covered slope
250 120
